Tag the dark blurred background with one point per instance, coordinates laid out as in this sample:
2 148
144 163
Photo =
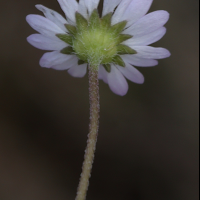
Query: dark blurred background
148 140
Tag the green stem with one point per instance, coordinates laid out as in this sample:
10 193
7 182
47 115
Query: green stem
93 132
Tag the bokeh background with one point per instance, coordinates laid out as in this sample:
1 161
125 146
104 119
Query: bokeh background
148 140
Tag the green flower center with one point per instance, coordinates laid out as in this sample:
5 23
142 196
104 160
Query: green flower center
96 41
95 46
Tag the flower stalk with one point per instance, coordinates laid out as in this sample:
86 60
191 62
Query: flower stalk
93 133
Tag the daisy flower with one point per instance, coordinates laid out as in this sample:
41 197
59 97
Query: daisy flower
110 44
115 40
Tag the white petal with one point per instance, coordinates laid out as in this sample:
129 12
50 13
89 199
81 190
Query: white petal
42 42
151 52
53 16
131 73
53 58
78 71
148 24
139 62
82 9
136 10
69 7
117 16
103 74
109 6
44 26
73 61
146 39
117 82
91 5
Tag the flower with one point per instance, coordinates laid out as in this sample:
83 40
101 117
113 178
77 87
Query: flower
116 41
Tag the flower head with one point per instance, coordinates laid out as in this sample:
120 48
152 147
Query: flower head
115 40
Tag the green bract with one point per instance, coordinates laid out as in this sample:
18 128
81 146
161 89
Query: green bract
95 41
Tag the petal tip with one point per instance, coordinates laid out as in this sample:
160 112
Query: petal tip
141 81
31 18
28 17
123 94
29 39
38 6
120 92
168 53
166 15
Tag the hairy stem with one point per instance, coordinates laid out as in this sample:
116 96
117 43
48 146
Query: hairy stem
93 132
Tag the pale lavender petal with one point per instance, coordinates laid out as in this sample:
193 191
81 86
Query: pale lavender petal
69 7
78 71
53 16
117 16
91 5
136 10
73 61
151 52
117 82
146 39
139 62
109 6
148 24
44 26
42 42
53 58
103 74
131 73
82 9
